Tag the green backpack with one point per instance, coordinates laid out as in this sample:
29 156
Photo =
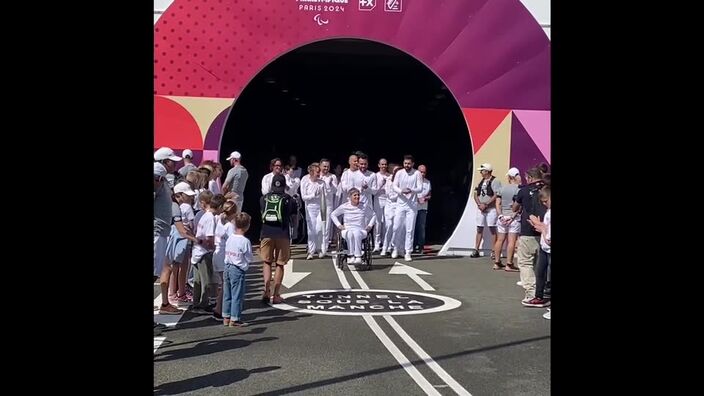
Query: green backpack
273 207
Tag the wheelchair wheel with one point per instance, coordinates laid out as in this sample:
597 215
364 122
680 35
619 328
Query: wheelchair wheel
341 261
340 248
368 252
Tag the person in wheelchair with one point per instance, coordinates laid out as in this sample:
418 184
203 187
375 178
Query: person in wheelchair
358 218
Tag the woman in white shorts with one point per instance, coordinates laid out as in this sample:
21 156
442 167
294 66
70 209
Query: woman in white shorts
507 222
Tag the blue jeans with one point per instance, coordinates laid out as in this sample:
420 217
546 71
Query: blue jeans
234 286
542 271
419 239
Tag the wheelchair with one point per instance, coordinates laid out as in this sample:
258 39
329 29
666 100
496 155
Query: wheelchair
342 250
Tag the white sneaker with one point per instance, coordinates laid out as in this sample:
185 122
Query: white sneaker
394 254
310 257
358 260
546 315
519 283
383 252
321 255
407 257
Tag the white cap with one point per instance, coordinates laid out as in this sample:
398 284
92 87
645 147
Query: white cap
187 153
159 170
513 172
486 167
234 155
185 188
165 153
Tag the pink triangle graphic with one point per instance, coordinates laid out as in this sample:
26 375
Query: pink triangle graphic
537 125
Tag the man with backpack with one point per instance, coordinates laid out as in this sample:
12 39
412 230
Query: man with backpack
485 197
277 207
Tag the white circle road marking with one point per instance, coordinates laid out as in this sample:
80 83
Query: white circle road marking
448 303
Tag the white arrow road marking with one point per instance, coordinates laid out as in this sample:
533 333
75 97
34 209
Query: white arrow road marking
403 269
290 277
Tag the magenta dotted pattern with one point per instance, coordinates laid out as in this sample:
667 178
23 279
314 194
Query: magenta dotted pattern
212 48
490 53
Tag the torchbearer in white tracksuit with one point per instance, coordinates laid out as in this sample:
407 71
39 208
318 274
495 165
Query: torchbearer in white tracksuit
383 177
331 180
314 192
390 212
358 220
407 183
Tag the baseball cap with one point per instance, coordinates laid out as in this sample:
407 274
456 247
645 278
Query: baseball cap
513 172
234 155
278 183
159 170
486 167
165 153
185 188
187 153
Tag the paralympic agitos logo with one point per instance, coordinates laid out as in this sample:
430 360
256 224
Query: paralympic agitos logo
366 302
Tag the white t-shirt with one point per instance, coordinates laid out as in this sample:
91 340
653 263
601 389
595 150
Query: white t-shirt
360 217
222 232
187 216
204 229
413 182
238 251
545 236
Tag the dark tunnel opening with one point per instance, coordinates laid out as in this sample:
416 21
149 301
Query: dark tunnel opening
333 97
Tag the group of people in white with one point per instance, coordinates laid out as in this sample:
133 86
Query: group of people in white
199 246
387 202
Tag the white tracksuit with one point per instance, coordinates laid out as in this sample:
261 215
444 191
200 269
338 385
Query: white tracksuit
389 218
380 198
317 213
406 204
358 180
356 219
330 199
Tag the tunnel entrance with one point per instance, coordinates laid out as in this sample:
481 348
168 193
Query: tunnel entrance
333 97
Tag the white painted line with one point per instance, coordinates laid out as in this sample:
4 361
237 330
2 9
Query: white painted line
400 357
358 277
390 346
426 358
411 343
340 274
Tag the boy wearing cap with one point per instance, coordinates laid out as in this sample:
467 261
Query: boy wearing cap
236 179
485 197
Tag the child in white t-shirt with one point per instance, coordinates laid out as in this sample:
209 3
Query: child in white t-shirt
224 227
202 256
176 246
238 255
